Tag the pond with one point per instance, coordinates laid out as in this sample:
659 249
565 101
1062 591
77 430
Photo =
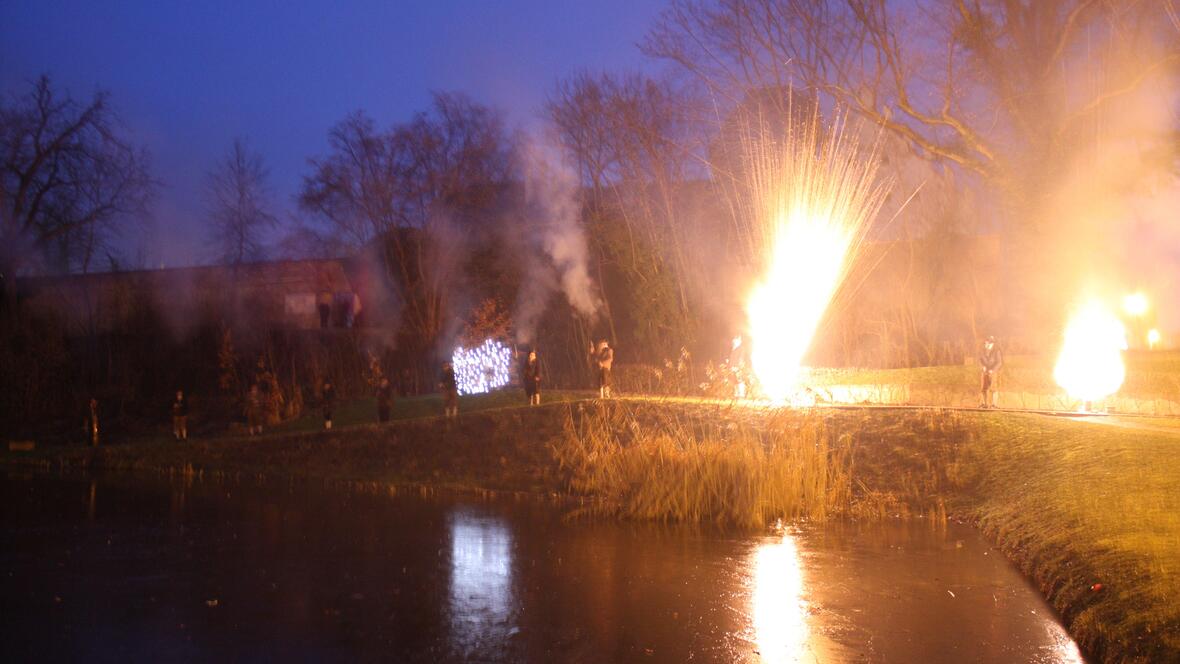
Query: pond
127 568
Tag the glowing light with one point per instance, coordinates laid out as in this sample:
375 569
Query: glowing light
1090 366
1135 304
483 368
815 199
1153 338
780 612
481 597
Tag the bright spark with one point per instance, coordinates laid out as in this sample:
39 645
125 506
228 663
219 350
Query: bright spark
816 197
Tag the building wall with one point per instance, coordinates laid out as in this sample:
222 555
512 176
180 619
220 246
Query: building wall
280 293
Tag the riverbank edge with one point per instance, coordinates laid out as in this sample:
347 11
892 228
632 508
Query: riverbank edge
508 452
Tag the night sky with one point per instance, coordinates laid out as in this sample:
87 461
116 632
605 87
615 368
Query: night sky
188 77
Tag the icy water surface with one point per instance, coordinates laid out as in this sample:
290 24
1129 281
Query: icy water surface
130 569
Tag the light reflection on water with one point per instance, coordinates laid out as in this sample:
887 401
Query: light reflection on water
798 610
481 580
779 608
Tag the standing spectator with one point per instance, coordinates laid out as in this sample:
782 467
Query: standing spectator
684 369
408 386
530 378
355 308
90 421
384 400
254 410
990 360
450 390
180 416
737 367
327 400
324 307
604 358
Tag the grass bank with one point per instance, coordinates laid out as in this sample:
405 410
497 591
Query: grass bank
493 448
1091 513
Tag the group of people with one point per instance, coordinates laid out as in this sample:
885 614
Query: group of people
601 357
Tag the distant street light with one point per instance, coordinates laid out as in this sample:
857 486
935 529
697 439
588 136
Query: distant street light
1153 338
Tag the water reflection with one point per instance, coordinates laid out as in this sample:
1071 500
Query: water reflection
779 609
894 594
1063 649
91 500
226 572
481 581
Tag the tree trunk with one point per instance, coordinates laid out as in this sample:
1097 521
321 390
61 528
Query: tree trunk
8 312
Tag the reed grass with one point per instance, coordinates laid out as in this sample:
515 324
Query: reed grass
661 465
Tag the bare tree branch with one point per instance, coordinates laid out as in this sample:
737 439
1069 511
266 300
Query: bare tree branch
239 201
68 178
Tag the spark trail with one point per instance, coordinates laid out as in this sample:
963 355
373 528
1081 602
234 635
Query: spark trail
814 194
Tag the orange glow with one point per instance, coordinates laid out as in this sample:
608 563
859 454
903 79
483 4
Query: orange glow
785 310
1090 366
815 199
780 612
1153 338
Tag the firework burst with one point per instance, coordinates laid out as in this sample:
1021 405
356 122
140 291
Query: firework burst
813 193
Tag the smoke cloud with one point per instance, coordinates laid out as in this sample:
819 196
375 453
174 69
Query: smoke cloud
553 241
1117 205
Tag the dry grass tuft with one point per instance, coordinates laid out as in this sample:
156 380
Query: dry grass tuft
664 466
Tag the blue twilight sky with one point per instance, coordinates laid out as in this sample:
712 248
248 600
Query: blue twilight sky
187 77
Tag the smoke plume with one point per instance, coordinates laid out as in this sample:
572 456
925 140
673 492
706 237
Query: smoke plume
552 241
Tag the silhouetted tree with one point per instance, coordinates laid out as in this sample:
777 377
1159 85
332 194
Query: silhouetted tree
240 204
972 82
418 192
68 175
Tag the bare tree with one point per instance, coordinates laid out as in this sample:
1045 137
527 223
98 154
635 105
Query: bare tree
68 175
974 82
239 204
416 192
455 158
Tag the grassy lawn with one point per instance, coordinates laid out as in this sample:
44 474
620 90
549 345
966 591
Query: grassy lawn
355 412
364 411
1150 375
1078 504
